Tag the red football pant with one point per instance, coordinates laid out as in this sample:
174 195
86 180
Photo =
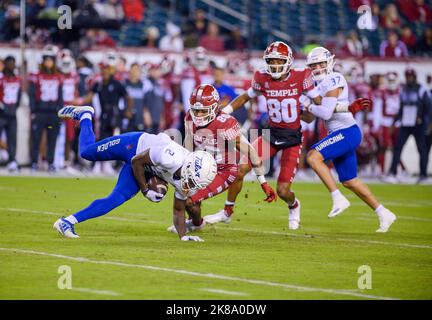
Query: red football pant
289 161
225 176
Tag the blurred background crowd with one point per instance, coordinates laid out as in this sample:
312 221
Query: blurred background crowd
132 94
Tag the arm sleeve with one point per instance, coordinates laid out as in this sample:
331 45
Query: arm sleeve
325 110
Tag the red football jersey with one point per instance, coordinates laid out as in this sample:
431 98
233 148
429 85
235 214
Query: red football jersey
47 86
391 103
282 97
70 87
9 89
218 137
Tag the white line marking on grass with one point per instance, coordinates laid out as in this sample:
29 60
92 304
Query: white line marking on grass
202 275
421 246
230 293
102 292
18 210
253 230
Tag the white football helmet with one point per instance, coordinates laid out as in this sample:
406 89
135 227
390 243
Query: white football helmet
198 171
318 55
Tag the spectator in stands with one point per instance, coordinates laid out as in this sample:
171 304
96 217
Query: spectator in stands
425 44
212 41
46 97
200 22
10 93
355 4
414 116
390 17
236 41
408 38
353 46
393 47
416 10
11 28
152 36
110 9
173 40
133 10
154 98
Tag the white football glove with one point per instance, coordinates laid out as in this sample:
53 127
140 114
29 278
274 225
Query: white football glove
191 238
154 196
305 102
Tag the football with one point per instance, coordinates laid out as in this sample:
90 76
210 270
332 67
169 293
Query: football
158 185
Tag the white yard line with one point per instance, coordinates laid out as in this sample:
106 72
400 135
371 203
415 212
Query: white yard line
395 244
198 274
18 210
230 293
102 292
409 245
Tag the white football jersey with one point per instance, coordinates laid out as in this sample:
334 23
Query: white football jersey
167 157
338 120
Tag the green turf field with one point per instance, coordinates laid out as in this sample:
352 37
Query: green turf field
128 254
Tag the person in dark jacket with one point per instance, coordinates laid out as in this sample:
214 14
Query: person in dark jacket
46 98
154 98
10 93
414 116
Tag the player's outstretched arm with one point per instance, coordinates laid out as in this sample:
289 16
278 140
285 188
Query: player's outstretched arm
236 103
179 221
360 104
179 216
138 166
246 149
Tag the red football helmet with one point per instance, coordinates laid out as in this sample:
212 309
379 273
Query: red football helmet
278 50
204 104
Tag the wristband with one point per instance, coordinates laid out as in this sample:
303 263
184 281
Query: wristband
261 179
228 108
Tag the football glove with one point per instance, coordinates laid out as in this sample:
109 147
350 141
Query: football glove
360 104
271 195
191 238
153 196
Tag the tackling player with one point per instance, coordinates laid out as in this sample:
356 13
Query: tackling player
343 139
212 130
186 171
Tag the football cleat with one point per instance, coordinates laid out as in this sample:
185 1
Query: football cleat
74 112
294 217
386 219
339 206
217 217
65 228
189 226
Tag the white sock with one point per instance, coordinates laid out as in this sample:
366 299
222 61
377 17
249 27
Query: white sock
86 115
335 194
71 219
379 209
229 203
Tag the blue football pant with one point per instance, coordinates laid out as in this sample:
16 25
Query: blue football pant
113 148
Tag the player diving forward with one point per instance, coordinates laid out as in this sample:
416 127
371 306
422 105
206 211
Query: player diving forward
343 139
186 171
